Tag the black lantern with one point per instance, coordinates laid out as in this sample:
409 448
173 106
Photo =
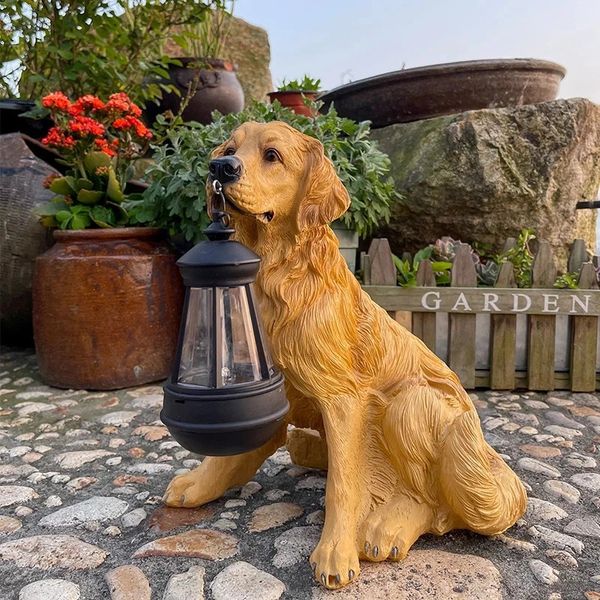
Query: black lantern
224 395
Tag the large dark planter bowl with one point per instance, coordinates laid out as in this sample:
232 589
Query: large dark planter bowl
216 88
436 90
12 122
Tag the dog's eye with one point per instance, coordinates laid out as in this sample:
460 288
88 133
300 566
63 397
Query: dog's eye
229 151
271 155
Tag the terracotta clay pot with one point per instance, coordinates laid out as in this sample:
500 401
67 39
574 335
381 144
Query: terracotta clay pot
217 88
294 101
106 308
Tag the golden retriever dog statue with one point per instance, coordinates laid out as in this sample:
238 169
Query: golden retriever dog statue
397 433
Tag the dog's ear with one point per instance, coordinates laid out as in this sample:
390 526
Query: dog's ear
326 197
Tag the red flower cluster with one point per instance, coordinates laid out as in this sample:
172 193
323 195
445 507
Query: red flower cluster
85 104
90 124
83 126
59 139
129 122
109 148
56 101
120 103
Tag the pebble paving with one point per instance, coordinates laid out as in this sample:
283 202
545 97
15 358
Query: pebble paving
82 475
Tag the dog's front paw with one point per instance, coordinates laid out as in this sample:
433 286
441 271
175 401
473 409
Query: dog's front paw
335 562
186 491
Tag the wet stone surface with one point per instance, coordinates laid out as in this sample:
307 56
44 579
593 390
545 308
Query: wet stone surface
82 475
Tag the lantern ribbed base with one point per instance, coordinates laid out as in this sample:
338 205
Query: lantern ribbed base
226 421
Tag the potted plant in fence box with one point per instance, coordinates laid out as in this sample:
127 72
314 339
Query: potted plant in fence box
203 81
176 198
106 297
297 95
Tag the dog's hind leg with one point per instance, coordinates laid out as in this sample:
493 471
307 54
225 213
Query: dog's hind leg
216 474
477 484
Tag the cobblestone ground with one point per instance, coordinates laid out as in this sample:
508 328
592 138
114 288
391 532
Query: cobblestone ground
82 475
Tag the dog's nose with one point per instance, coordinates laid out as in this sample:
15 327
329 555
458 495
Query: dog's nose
225 169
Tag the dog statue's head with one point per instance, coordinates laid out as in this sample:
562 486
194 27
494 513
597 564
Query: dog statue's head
276 179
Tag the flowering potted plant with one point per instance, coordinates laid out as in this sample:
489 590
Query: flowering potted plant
98 141
106 297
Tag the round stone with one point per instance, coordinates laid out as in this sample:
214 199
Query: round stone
541 510
50 589
97 508
562 490
15 494
241 580
537 466
587 481
543 572
9 525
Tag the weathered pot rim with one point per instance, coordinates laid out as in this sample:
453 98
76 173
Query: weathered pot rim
453 68
117 233
215 63
292 92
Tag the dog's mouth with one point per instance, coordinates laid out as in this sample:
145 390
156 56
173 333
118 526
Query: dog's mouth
230 204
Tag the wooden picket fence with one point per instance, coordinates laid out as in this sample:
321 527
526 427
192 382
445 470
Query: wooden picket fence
492 317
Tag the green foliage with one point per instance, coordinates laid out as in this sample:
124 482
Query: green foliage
486 267
92 200
308 84
487 264
568 281
521 257
407 269
89 47
207 37
176 197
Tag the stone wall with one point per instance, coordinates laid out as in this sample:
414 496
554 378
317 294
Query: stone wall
484 175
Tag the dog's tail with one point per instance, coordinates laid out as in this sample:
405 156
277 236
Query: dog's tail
479 486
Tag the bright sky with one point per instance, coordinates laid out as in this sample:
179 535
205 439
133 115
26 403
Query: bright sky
343 40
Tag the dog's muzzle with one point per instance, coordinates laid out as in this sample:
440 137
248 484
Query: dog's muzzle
226 169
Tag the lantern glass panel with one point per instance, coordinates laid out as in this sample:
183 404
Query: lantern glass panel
196 366
263 337
240 362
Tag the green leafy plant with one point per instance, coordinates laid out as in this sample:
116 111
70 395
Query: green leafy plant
407 269
521 257
97 141
487 268
307 84
176 197
568 281
91 46
207 37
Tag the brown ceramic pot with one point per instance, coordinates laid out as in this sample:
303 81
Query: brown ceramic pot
294 101
216 88
106 308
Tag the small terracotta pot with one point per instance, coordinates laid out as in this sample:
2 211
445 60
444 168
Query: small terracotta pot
106 308
294 101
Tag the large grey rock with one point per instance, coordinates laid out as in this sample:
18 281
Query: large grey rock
484 175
